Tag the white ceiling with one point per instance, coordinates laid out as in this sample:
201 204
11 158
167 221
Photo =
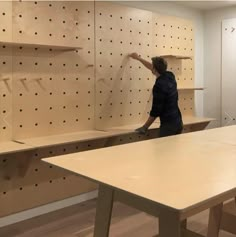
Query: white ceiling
206 5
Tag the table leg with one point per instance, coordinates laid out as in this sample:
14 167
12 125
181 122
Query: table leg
169 224
215 220
104 211
184 224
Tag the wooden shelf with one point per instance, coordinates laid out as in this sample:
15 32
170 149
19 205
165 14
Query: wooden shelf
190 88
176 56
191 120
49 141
127 129
44 46
13 147
21 153
67 138
187 120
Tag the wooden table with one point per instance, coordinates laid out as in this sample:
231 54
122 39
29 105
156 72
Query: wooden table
172 178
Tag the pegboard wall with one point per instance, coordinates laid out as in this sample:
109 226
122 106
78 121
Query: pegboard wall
50 86
42 184
53 87
56 90
45 183
123 85
5 72
175 36
46 87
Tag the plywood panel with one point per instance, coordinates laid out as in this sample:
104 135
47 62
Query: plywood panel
175 36
36 195
53 93
123 85
5 93
6 20
53 89
121 96
186 103
172 35
38 171
5 71
162 33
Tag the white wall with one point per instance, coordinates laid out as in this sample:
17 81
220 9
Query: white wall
212 74
228 113
171 8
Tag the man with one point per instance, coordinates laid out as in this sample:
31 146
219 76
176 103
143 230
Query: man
165 98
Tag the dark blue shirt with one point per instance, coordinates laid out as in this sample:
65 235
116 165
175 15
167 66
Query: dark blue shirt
165 99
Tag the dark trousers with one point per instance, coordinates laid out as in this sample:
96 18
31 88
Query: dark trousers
169 129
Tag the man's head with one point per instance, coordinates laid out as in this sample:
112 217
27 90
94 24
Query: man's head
159 65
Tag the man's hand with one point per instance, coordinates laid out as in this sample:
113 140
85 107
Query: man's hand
147 64
134 56
142 130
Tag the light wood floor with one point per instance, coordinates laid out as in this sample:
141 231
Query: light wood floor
77 221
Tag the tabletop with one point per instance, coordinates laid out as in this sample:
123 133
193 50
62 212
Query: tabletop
179 171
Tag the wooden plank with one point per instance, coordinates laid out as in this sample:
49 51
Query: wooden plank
44 46
13 147
191 88
187 120
176 56
95 134
66 138
191 120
